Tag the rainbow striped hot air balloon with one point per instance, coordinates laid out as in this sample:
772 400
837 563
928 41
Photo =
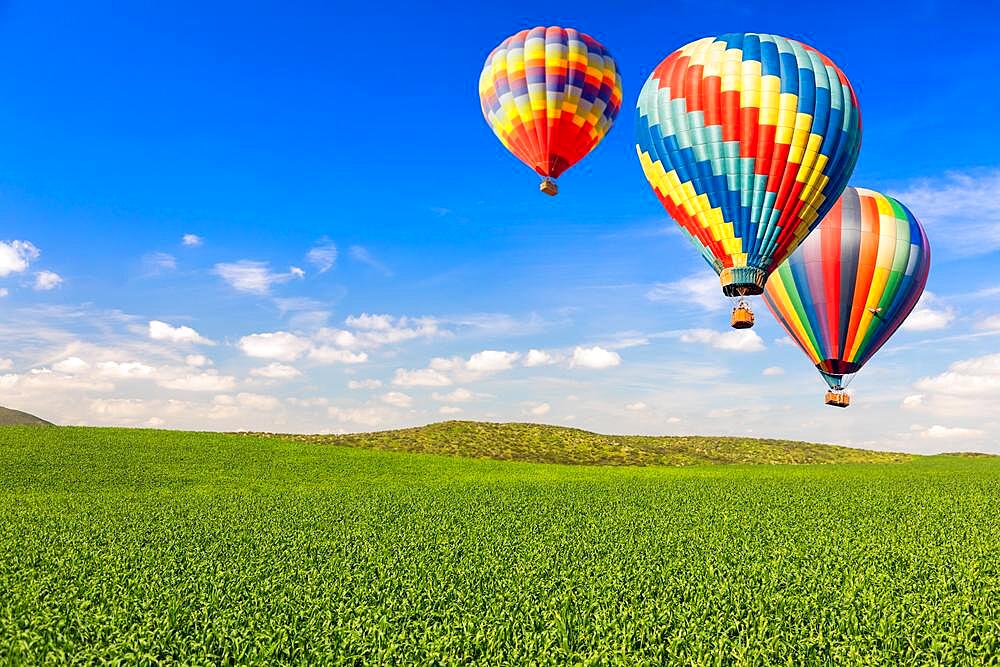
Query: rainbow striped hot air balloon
747 140
550 95
851 283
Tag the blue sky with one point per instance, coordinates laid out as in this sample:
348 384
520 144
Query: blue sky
268 131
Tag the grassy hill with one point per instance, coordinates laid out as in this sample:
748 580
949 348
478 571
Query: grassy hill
556 444
10 417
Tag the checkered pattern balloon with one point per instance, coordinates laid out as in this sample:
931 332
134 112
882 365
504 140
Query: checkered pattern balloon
747 140
852 282
550 95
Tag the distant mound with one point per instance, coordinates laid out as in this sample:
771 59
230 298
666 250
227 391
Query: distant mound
557 444
10 417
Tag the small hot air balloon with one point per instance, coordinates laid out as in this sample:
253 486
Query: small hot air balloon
550 95
850 284
747 140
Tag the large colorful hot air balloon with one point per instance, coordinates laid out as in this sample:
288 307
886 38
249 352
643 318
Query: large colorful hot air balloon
747 140
851 283
550 95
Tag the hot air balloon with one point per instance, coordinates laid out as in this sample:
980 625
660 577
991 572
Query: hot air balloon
747 140
850 284
550 95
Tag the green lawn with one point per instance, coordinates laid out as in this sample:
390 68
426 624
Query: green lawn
160 547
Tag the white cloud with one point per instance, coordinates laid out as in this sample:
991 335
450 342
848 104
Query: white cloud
460 395
746 340
594 357
257 401
209 380
4 292
333 355
279 345
44 382
338 337
939 432
928 315
673 420
16 256
47 280
964 207
364 384
424 377
192 240
974 378
162 331
913 401
253 277
377 330
449 410
538 358
364 416
491 361
323 256
398 399
969 388
197 360
772 371
701 288
71 366
6 364
276 371
540 410
638 406
125 370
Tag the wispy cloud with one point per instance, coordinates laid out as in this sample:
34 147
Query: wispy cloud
963 208
736 341
252 276
192 240
361 254
701 289
323 255
159 262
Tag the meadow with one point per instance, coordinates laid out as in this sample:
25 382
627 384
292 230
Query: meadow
155 547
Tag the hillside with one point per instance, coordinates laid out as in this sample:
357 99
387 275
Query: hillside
556 444
10 417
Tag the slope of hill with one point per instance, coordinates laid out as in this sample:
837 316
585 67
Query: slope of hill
556 444
10 417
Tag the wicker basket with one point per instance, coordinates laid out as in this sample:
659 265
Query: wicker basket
742 317
549 187
838 399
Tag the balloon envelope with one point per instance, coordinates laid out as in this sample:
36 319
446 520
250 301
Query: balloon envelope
852 282
747 139
550 95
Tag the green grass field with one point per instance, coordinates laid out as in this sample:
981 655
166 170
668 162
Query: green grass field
158 548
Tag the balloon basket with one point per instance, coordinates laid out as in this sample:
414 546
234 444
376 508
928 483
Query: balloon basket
549 187
838 399
742 316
